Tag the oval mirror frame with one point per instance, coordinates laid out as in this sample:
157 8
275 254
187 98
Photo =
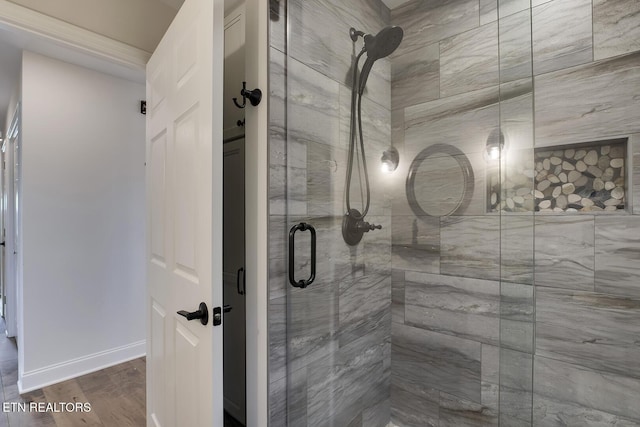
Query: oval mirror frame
465 168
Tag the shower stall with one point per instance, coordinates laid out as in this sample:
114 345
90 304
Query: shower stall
454 222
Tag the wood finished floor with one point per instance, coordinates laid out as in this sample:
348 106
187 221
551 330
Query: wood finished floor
117 395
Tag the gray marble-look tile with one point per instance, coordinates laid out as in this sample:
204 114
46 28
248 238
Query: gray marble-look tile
516 302
364 301
287 190
515 370
278 278
422 360
319 37
277 92
312 324
377 415
588 102
277 24
442 109
516 387
564 252
515 46
326 171
380 200
456 412
562 35
416 243
376 124
516 241
470 247
517 335
488 11
509 7
278 235
469 61
490 368
618 255
278 402
313 105
616 27
429 22
634 148
458 306
376 246
516 317
516 120
552 413
338 387
397 295
563 383
464 121
397 129
594 330
297 398
278 338
415 74
413 409
282 152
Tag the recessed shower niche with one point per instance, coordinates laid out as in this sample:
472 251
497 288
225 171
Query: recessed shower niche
587 177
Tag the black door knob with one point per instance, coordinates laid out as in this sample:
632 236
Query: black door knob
202 314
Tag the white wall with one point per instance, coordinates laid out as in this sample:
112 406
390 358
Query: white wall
82 221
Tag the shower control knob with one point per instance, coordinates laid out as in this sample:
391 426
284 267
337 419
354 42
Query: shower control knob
354 226
365 226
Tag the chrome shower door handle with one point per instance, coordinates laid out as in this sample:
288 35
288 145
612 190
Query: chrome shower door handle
302 283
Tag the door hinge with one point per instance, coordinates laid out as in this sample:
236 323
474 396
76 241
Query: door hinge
143 107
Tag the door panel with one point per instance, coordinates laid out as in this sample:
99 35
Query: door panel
184 155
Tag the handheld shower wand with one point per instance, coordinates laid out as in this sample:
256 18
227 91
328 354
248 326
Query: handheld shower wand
376 47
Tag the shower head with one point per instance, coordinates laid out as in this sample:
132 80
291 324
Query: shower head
384 43
379 46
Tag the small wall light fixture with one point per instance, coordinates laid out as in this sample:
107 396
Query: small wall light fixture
389 160
495 144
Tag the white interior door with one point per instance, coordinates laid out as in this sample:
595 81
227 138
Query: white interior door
184 219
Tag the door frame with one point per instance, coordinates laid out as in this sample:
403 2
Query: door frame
70 43
11 283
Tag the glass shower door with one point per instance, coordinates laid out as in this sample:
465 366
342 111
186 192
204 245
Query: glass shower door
338 328
426 320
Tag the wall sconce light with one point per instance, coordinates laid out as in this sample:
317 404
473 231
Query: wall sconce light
389 160
495 144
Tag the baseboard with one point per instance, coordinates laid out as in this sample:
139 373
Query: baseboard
34 380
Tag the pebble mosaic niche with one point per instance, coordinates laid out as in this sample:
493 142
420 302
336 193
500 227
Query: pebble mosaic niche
579 178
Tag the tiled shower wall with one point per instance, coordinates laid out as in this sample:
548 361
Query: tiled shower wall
550 302
330 344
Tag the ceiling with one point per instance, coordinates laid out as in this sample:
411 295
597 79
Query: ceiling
12 43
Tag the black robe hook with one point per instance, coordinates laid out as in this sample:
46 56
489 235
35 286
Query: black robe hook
255 96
